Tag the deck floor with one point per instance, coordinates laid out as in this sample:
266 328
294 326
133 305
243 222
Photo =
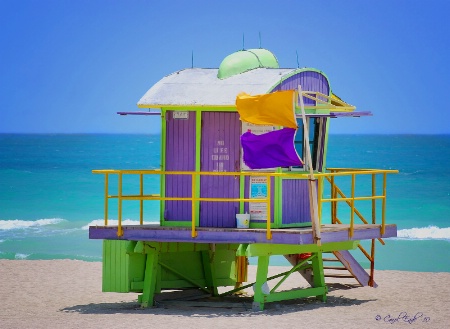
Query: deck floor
303 235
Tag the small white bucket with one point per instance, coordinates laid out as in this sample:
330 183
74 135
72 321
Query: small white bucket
242 220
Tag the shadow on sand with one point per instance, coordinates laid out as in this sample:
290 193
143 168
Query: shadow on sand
217 306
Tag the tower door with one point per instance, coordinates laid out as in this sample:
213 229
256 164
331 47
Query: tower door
220 148
180 156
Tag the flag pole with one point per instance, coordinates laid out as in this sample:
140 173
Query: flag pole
314 209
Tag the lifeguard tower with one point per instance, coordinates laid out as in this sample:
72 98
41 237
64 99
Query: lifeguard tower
206 181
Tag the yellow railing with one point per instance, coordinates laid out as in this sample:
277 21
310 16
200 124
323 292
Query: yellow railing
141 197
338 196
335 191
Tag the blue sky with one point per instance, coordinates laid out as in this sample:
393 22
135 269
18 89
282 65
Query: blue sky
69 66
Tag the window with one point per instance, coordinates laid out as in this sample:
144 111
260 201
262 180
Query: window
316 137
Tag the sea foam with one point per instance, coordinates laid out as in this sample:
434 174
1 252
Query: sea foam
112 222
425 233
21 224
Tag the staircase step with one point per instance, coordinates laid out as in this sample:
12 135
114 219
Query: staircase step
358 272
330 259
340 268
339 276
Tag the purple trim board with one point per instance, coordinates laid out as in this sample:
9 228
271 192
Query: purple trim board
151 232
140 113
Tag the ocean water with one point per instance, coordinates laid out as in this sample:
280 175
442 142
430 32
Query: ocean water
49 196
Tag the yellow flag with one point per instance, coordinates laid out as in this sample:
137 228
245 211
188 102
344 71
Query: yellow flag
275 109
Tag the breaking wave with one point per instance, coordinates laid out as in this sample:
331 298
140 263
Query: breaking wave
425 233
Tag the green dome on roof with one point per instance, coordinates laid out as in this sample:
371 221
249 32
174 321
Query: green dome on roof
246 60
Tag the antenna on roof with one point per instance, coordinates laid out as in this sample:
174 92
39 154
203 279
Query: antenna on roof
243 41
260 40
298 65
192 60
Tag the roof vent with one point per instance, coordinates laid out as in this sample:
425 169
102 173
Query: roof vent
246 60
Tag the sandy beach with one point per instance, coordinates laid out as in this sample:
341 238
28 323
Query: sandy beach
67 294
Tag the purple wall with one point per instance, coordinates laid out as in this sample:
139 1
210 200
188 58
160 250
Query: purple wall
295 204
220 152
180 156
309 80
295 199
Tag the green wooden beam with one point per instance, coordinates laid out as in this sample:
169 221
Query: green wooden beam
262 296
319 280
292 270
259 297
209 271
294 294
182 246
241 249
265 249
184 277
162 204
151 269
268 279
198 144
278 211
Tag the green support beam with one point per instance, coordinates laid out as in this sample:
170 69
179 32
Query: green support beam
265 249
319 280
260 287
262 295
151 270
209 271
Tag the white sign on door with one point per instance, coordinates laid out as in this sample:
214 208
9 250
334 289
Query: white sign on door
181 115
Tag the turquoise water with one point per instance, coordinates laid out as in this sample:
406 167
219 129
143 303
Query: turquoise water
48 195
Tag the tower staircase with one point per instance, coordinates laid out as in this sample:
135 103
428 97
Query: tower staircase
339 264
342 265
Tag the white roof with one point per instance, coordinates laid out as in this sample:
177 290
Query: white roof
201 87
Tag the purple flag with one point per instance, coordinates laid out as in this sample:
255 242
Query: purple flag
269 150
